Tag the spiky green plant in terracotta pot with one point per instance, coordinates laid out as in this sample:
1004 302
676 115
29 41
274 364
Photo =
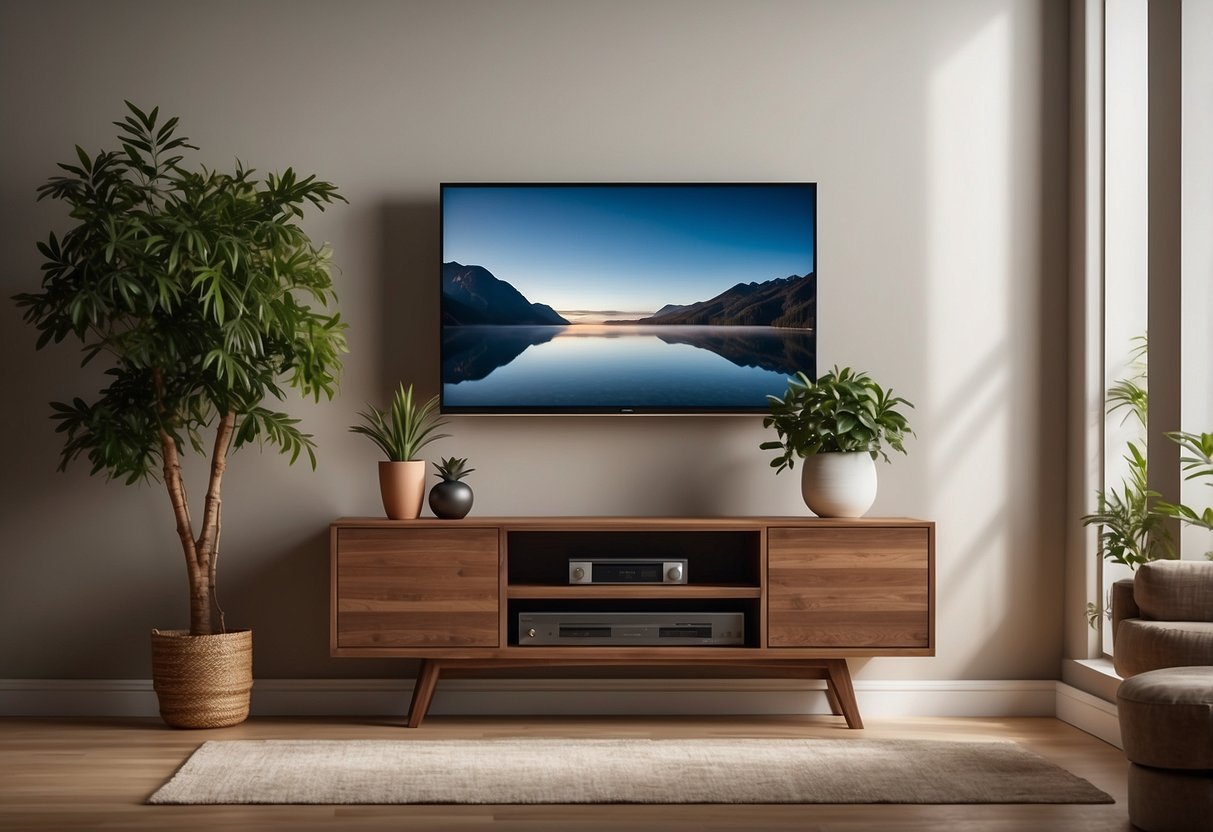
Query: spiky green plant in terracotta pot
401 433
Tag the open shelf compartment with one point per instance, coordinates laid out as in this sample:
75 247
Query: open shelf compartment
723 558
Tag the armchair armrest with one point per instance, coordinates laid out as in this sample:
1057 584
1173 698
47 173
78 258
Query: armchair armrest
1123 604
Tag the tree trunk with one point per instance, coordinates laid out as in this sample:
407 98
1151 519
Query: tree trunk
203 601
201 555
200 617
200 607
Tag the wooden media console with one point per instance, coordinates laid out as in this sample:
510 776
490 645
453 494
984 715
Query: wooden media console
812 592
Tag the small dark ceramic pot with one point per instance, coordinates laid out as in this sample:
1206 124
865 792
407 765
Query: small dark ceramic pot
451 500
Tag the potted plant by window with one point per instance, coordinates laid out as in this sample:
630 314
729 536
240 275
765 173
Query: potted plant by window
205 298
837 425
1132 530
401 434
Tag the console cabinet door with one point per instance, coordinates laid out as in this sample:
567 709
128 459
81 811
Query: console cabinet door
417 587
849 587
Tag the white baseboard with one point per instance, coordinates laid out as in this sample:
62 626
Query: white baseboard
373 697
1088 713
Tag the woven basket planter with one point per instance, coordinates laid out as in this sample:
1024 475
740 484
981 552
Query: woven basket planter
202 681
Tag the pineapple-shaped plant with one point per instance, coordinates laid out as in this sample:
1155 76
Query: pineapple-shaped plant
451 499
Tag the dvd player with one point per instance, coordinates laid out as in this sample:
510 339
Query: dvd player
618 629
630 571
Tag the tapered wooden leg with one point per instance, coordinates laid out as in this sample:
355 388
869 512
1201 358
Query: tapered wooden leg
832 698
423 690
839 680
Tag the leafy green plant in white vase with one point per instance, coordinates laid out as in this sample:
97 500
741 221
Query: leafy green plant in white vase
837 425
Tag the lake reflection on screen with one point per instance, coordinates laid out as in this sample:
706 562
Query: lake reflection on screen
620 366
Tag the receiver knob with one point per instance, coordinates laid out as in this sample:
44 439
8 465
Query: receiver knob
530 633
578 573
674 573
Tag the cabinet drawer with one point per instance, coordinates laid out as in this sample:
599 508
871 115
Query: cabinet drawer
417 587
849 587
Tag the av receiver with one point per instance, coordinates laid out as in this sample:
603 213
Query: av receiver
620 629
633 571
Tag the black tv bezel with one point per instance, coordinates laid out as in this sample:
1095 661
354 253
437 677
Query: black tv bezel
581 410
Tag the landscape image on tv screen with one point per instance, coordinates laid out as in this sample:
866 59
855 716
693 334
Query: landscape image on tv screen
626 298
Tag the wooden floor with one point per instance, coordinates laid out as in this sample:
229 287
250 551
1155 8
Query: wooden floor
95 774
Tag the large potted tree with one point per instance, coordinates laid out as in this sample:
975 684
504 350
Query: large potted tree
205 299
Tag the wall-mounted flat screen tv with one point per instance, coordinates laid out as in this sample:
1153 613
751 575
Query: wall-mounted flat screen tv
626 298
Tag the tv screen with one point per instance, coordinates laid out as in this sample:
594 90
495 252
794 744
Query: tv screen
626 298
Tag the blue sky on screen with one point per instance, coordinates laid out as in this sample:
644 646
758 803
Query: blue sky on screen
630 247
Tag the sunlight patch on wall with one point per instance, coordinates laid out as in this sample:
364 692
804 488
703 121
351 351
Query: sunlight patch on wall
974 270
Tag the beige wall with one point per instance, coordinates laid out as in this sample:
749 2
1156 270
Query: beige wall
936 132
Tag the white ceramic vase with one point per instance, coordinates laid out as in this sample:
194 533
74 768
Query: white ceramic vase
839 484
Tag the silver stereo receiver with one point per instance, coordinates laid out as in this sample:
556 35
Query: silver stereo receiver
620 629
633 571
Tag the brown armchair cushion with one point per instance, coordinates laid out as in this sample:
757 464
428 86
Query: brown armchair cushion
1175 590
1148 645
1166 718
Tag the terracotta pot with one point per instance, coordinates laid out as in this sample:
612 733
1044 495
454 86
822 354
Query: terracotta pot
402 486
202 681
839 484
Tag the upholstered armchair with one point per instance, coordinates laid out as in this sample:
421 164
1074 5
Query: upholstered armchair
1162 624
1163 617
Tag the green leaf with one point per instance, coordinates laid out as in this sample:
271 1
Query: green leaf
166 130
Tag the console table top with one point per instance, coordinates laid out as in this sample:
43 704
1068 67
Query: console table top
572 521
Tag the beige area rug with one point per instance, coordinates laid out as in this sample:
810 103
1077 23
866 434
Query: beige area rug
620 771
